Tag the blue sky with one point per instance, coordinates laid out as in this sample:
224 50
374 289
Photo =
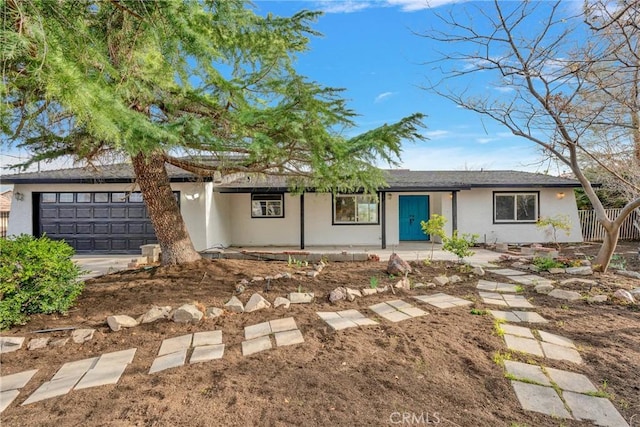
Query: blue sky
370 48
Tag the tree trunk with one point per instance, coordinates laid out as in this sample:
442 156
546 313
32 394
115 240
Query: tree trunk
163 209
608 247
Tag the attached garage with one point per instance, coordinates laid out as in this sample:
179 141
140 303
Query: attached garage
94 222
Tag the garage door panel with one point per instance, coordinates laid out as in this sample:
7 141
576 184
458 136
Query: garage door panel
95 222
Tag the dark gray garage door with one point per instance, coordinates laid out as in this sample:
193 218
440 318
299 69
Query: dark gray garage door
105 222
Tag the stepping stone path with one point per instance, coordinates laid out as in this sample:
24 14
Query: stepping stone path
560 394
485 285
10 386
339 320
547 345
515 301
442 300
258 337
173 351
93 372
518 316
396 310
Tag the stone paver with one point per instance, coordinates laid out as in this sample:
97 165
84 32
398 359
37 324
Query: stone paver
571 381
556 339
290 337
257 330
397 310
538 398
518 331
530 317
284 324
63 381
256 345
167 361
485 285
442 300
559 352
175 344
507 272
525 345
16 381
207 338
205 353
7 397
9 344
107 370
508 300
524 371
597 409
507 316
530 280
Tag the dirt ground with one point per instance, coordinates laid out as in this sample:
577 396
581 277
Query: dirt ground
438 369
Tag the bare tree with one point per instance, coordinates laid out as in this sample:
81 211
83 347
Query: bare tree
568 82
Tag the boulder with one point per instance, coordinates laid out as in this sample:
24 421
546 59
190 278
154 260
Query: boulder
441 280
623 296
281 302
80 336
580 271
478 271
301 297
352 294
38 343
234 305
120 321
562 294
337 294
155 313
368 291
256 302
543 288
213 312
397 266
187 313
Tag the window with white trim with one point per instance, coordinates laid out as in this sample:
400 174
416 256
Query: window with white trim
355 209
515 207
267 206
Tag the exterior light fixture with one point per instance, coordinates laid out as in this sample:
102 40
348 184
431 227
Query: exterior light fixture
19 196
560 195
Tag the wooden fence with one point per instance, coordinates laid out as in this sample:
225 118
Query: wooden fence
592 231
4 223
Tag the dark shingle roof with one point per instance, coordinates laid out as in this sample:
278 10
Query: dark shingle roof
398 180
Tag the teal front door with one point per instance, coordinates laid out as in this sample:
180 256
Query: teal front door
413 209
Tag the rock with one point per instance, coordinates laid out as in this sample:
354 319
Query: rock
287 275
544 288
598 298
318 267
636 293
257 279
80 336
155 313
430 285
518 264
187 313
585 262
632 274
38 343
397 266
120 321
353 294
580 271
478 271
557 270
301 297
403 284
441 280
454 279
368 291
9 344
277 276
338 294
60 342
313 273
419 285
234 305
256 302
240 289
533 268
624 296
243 282
575 280
380 290
213 312
562 294
281 302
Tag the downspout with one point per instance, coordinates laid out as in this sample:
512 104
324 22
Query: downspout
383 218
302 221
454 210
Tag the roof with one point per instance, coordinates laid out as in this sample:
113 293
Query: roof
407 180
397 179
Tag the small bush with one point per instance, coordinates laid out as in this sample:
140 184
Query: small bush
36 276
459 245
545 263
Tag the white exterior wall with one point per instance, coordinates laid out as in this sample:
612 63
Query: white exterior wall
475 215
218 219
247 231
439 203
193 211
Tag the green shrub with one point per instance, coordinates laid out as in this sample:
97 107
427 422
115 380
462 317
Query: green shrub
434 228
36 276
546 263
459 245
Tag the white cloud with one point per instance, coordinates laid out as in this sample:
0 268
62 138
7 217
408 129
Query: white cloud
436 134
485 140
503 89
383 96
351 6
343 6
413 5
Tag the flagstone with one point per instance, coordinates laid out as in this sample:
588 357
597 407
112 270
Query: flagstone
289 337
524 371
205 353
16 381
556 339
530 317
597 409
207 338
7 397
507 272
537 398
256 345
518 331
285 324
558 352
167 361
525 345
257 330
571 381
175 344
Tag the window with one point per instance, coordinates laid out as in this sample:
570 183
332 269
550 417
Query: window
267 206
83 197
515 207
65 198
48 197
101 197
355 209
